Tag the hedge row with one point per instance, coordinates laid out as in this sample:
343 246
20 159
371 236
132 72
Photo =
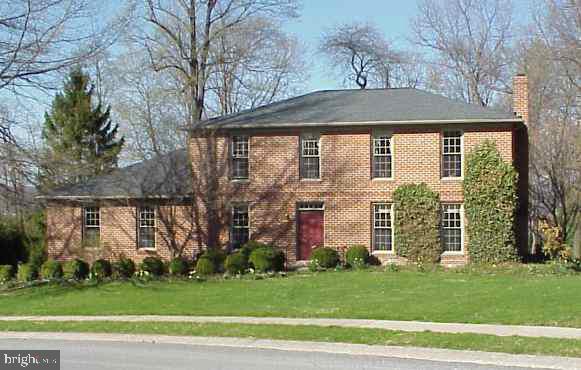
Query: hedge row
357 256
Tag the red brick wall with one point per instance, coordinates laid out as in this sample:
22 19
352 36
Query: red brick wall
346 186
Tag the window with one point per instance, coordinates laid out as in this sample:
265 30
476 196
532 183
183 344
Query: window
382 156
310 157
382 227
240 230
452 154
91 225
452 227
239 157
146 228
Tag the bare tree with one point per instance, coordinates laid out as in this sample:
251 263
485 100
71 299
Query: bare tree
471 41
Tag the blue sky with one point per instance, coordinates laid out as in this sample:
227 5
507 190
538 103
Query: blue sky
391 16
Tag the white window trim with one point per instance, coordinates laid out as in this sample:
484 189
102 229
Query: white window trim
462 232
461 155
232 205
154 229
375 134
307 135
392 217
231 158
84 210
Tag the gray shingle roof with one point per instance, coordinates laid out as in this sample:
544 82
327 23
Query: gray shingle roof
336 107
168 175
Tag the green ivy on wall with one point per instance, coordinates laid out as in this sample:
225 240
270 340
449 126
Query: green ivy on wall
417 223
490 200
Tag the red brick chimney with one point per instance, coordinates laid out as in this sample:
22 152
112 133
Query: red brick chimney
520 96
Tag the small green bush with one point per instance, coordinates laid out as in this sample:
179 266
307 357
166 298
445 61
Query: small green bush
27 272
217 256
152 265
205 266
51 269
267 258
6 273
324 257
178 267
357 256
101 269
124 268
250 246
76 269
236 263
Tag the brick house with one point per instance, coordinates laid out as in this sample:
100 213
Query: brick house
318 169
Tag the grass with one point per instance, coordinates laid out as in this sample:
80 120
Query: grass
440 296
490 343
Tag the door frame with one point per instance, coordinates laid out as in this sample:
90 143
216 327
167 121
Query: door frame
310 205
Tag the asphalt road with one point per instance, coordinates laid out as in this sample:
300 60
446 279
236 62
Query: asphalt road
93 355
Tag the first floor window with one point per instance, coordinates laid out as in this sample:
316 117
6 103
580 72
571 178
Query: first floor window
452 227
91 225
452 154
382 156
240 226
310 157
382 227
146 228
239 157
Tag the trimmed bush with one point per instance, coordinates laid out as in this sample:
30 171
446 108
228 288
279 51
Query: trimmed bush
27 272
417 223
205 266
152 265
490 201
101 269
324 257
236 263
217 256
124 268
178 267
76 269
51 269
357 256
267 258
250 246
6 273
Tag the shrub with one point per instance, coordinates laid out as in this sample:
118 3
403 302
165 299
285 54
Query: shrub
357 256
490 201
27 272
152 265
267 258
51 269
101 269
324 257
178 267
76 269
217 257
236 263
124 268
205 266
553 245
417 223
250 246
6 273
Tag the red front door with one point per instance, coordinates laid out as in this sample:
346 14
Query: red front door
310 232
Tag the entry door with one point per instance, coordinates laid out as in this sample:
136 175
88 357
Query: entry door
310 232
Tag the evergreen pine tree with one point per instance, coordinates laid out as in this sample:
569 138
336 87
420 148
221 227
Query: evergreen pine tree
79 137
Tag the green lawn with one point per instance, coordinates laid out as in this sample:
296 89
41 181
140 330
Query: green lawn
520 345
405 295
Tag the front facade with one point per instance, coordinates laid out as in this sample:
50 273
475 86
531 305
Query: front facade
315 170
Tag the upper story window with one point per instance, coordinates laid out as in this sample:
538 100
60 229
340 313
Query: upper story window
452 154
146 228
382 156
310 163
239 150
452 227
91 225
382 227
240 225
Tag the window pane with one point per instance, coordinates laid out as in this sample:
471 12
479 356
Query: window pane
147 237
240 168
452 165
146 228
452 154
310 168
452 227
382 156
91 226
240 227
239 157
382 230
